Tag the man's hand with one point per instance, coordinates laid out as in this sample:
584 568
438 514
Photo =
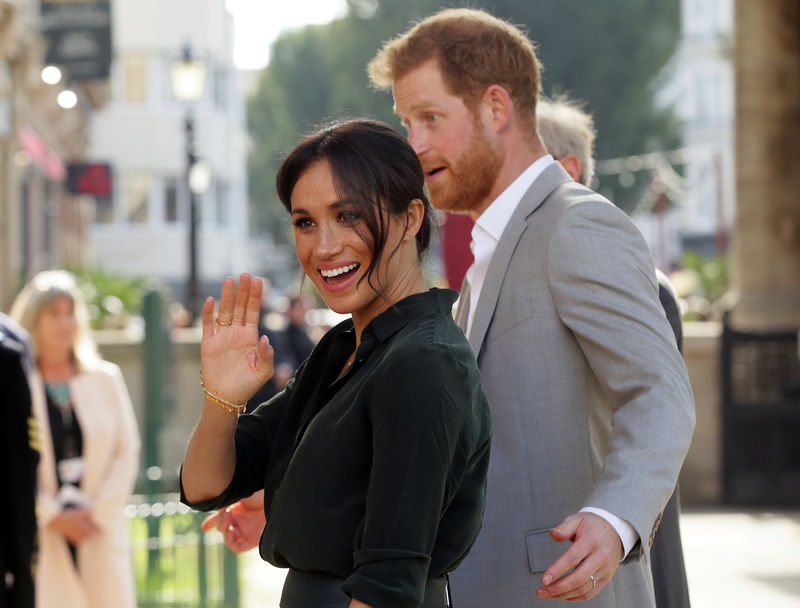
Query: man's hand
593 558
241 523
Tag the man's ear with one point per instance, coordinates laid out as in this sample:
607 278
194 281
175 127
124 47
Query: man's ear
572 165
497 100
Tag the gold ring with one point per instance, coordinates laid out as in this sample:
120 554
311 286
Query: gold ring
591 578
223 323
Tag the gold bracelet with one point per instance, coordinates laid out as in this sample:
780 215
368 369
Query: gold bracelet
234 408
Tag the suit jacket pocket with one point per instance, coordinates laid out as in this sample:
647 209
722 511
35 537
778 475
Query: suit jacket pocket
542 550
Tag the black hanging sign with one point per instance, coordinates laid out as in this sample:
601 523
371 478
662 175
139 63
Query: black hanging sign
89 178
79 37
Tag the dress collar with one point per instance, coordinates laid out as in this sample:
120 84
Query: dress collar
398 316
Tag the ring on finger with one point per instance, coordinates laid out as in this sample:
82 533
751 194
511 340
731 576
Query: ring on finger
591 578
223 323
235 320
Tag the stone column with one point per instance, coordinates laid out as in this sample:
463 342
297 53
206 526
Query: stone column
9 223
766 262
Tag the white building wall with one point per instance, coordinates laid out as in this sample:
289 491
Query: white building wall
700 88
144 138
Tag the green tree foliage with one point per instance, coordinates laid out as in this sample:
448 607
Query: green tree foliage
112 299
608 54
712 274
605 53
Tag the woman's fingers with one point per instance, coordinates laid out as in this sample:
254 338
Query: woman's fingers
239 303
265 354
240 299
253 304
225 312
208 317
210 522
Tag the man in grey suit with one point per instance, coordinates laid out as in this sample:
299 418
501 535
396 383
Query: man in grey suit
568 133
592 408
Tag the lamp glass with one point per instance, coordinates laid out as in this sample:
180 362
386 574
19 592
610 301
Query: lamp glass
67 99
51 74
188 79
199 177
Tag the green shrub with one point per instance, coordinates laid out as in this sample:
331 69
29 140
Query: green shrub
112 299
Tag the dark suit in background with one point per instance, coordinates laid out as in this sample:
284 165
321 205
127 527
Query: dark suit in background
667 565
20 456
568 132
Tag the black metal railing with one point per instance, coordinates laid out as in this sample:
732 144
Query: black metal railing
760 418
177 564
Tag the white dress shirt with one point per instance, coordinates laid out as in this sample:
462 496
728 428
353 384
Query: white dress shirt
490 225
486 234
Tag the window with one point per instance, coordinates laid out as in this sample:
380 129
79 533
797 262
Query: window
170 200
702 98
135 67
103 209
223 210
135 196
221 88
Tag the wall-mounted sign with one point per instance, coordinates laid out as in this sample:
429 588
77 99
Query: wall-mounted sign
89 178
79 37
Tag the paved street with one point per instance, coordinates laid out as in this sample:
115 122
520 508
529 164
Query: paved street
742 559
734 560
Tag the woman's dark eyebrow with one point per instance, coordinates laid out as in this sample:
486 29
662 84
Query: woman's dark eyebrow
336 205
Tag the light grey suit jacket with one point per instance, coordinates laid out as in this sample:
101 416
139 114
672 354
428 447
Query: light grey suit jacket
590 398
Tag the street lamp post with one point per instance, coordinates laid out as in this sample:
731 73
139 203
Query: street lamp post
187 76
193 288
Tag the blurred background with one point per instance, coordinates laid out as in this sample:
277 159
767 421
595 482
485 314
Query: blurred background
139 141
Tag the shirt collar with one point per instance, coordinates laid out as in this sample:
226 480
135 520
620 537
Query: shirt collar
497 215
382 327
398 316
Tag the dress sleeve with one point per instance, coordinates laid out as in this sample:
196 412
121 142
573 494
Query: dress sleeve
418 456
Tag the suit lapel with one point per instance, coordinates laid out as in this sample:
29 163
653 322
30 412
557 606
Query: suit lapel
552 177
462 307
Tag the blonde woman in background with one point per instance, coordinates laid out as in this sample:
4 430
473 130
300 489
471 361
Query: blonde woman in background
89 452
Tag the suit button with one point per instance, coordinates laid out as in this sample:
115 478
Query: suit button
655 527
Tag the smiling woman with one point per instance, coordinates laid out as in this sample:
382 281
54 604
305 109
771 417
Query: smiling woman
373 459
358 218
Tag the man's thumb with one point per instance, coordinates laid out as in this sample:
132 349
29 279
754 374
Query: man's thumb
565 530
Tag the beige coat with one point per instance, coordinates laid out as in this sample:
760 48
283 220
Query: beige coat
111 453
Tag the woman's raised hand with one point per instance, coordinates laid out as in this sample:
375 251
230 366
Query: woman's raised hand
235 361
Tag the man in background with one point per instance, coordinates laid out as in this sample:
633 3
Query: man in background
293 342
568 133
20 453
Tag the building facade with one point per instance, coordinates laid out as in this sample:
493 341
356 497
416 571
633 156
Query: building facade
698 84
142 229
41 224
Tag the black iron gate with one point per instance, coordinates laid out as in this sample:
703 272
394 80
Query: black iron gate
761 418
